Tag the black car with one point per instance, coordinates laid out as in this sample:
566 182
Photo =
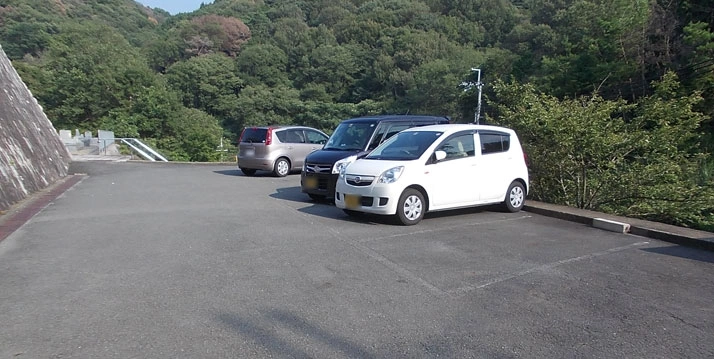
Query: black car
352 139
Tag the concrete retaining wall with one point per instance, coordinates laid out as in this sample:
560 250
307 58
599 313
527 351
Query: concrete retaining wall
32 156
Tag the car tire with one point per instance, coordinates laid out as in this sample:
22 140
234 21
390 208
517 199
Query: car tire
248 171
281 167
411 207
515 197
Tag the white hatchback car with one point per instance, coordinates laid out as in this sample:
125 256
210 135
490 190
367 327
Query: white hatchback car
434 168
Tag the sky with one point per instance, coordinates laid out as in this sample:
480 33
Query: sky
175 6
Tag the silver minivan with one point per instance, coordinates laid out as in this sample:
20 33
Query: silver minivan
279 149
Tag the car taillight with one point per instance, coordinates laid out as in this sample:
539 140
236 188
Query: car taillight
525 158
240 139
269 136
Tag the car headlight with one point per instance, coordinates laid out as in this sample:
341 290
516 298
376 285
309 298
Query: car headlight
343 170
391 175
342 164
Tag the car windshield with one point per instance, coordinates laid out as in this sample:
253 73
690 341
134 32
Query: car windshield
350 136
404 146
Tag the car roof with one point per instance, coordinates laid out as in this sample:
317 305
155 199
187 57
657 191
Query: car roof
451 128
383 118
282 127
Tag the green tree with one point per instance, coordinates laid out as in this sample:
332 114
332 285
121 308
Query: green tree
148 115
496 17
263 64
195 136
434 89
573 48
636 160
664 181
327 115
335 67
262 105
292 36
92 70
209 83
25 38
700 71
165 51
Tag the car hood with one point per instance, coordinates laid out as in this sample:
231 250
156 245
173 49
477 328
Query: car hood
331 156
365 167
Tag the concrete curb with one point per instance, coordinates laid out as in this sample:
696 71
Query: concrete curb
664 232
17 216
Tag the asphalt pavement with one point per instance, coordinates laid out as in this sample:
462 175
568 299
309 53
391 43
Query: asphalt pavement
17 216
171 260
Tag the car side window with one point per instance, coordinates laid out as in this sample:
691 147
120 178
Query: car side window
459 146
292 136
315 137
281 135
494 142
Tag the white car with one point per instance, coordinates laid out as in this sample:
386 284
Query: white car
433 168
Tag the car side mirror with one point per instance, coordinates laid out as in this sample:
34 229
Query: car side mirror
439 155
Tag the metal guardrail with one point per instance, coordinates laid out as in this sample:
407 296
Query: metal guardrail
139 147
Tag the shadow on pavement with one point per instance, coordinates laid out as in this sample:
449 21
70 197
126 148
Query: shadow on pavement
327 209
683 252
239 173
230 173
293 194
262 332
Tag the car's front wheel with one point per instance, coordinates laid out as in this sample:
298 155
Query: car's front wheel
282 167
515 197
411 207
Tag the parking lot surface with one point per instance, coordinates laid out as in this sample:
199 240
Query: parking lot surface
148 260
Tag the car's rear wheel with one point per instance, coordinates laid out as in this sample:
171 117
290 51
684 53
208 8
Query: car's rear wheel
411 207
515 197
248 171
282 167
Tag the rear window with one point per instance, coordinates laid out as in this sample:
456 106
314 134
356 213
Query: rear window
254 135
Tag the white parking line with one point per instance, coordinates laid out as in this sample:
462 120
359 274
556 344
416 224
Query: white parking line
405 273
505 277
400 270
413 278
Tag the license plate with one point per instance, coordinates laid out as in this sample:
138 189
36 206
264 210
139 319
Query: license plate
249 152
353 201
310 182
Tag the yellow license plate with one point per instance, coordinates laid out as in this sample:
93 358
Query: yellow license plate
310 182
352 201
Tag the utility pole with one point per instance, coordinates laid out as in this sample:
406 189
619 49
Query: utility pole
480 86
468 85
